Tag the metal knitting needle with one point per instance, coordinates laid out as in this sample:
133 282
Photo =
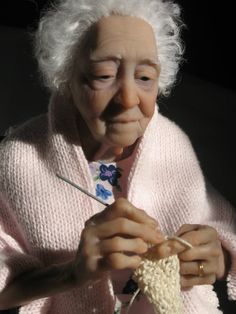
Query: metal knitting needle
180 240
81 189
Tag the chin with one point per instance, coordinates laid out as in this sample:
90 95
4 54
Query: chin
124 134
123 140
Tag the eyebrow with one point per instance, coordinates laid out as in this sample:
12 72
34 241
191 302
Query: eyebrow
151 62
106 58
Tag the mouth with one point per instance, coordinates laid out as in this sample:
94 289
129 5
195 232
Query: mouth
123 121
114 114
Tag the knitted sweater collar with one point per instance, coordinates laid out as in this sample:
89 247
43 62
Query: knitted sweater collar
66 151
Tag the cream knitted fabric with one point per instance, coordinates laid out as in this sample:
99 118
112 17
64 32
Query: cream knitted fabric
159 280
41 219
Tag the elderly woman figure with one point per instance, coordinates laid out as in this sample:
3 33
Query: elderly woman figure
106 63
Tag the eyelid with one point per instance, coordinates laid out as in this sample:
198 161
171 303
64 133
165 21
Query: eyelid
150 76
104 77
148 67
103 65
102 72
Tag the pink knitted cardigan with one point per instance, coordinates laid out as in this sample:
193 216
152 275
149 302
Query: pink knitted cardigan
42 217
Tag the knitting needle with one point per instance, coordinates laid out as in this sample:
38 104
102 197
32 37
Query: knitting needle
81 189
182 241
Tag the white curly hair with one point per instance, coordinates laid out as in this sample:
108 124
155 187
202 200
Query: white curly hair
62 28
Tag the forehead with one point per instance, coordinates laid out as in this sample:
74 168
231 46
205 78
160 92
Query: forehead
124 37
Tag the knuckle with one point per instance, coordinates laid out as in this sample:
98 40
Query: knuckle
122 225
91 221
115 261
124 206
86 251
185 256
86 233
142 212
116 244
214 269
161 251
211 279
135 262
90 265
121 202
219 245
141 245
216 252
87 223
183 268
185 283
83 235
194 240
213 232
183 228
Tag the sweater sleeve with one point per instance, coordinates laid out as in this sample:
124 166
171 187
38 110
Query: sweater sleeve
15 258
223 218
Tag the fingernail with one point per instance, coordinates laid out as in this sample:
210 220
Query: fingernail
168 251
154 224
157 228
159 233
159 238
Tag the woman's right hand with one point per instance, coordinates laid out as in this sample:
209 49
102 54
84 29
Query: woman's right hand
114 239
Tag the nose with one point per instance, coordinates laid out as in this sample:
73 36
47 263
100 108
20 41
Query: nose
127 94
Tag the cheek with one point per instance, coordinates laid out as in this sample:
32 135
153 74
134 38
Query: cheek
148 105
94 102
148 101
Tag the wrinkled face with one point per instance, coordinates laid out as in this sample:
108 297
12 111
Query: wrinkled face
115 84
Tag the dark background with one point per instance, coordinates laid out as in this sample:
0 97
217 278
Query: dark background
209 36
202 103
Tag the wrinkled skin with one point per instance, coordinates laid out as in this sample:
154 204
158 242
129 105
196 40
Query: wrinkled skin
115 239
206 249
114 89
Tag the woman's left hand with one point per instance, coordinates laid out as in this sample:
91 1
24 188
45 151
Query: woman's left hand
204 263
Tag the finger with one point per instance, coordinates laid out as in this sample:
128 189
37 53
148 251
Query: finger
118 244
190 281
202 252
120 261
192 268
180 240
168 248
92 221
200 236
123 208
186 228
123 226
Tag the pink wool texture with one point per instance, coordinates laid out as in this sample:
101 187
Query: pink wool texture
42 217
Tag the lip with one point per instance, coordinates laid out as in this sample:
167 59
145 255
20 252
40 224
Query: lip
123 120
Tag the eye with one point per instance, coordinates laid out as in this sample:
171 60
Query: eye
144 78
103 77
101 81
